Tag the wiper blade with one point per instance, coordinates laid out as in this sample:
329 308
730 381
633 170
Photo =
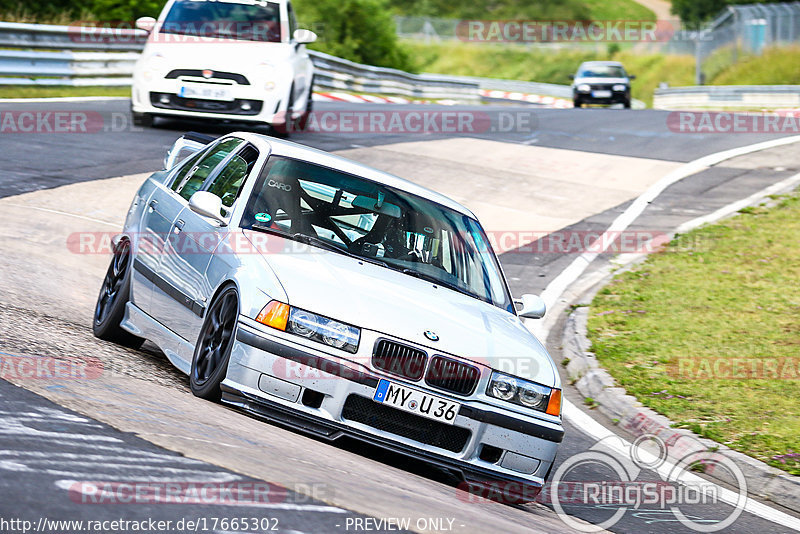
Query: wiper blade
318 242
437 281
313 240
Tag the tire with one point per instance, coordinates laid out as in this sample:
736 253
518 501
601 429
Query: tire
213 348
114 294
576 103
302 122
142 119
626 104
289 125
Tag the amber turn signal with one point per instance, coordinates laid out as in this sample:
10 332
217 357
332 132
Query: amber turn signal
554 405
275 314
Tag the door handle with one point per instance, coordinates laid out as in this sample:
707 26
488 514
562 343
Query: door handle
179 226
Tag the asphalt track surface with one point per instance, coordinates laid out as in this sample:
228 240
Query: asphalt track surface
38 161
33 161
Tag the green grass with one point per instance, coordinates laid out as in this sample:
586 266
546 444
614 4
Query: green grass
498 61
32 91
549 66
775 66
515 9
719 293
618 10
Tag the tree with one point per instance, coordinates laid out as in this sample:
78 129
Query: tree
358 30
127 10
695 13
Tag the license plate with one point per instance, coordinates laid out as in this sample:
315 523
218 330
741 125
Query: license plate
601 94
205 92
416 402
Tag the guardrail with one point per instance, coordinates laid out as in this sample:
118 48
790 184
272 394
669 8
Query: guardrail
334 73
516 86
62 58
728 97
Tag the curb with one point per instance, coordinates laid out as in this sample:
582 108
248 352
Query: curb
355 98
592 381
544 100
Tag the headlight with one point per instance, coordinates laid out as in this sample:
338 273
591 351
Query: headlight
619 87
153 65
268 69
156 62
310 325
503 387
525 393
533 396
584 88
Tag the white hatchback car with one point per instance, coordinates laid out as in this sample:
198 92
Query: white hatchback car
238 60
323 294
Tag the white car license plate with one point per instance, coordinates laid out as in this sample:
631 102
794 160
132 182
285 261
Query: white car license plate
601 94
416 402
205 92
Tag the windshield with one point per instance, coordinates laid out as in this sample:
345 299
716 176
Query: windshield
241 19
381 224
602 71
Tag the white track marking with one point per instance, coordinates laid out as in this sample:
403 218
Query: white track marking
556 288
36 456
560 283
61 99
58 212
733 207
184 475
74 485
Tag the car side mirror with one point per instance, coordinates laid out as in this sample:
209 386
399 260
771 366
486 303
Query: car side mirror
208 205
631 76
146 23
304 36
530 306
571 76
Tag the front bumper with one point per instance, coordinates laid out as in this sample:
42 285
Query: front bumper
617 97
160 98
312 391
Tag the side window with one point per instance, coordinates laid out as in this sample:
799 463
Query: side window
193 180
292 21
228 182
185 168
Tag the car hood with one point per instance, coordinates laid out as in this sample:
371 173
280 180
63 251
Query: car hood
226 55
386 301
612 81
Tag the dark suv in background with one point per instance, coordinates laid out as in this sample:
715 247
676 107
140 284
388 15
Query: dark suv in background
601 82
